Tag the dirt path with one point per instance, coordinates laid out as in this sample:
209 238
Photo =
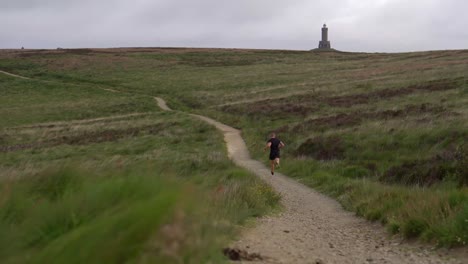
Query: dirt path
46 81
162 104
314 228
77 122
255 100
14 75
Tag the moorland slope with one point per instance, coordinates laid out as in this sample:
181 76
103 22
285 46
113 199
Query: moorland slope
385 134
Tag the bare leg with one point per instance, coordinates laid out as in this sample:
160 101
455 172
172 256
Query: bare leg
272 165
277 161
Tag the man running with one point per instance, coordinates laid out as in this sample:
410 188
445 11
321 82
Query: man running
274 144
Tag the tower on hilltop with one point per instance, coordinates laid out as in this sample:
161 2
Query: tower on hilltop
324 43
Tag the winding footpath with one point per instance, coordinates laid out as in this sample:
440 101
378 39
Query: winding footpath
313 228
14 75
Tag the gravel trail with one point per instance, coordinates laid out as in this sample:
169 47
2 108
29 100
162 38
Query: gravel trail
314 228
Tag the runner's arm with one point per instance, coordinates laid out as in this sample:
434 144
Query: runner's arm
281 145
268 145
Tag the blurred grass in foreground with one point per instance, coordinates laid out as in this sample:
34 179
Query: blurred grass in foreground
146 214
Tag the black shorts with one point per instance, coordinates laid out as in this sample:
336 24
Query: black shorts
274 155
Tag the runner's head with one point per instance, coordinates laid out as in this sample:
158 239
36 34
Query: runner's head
273 135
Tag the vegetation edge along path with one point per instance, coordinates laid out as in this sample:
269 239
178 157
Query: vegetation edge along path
314 227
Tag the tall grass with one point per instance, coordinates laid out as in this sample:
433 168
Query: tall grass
144 214
437 214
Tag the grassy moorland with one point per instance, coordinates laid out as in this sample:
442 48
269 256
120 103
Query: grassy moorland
91 176
383 133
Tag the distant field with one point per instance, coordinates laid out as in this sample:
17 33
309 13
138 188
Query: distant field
383 133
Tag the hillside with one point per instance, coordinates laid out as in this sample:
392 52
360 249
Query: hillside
385 134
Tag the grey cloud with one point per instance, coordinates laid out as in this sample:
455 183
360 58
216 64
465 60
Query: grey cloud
355 25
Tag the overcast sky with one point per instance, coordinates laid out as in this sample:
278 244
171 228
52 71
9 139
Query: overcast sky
354 25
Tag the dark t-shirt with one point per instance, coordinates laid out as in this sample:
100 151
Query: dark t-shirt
274 148
275 145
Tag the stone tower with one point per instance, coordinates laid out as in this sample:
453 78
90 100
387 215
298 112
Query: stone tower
324 43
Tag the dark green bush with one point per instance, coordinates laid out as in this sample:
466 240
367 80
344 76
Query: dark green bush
414 228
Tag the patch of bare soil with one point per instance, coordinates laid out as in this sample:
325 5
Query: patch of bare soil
123 51
304 104
322 148
22 147
236 254
89 138
410 66
356 118
162 104
33 53
284 98
451 163
99 120
365 98
279 107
